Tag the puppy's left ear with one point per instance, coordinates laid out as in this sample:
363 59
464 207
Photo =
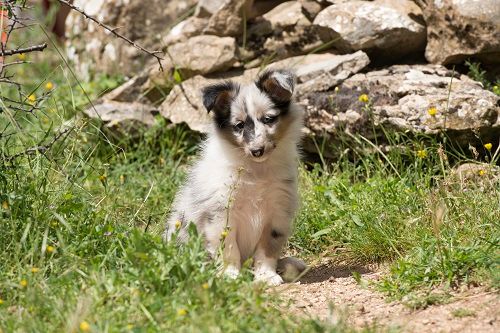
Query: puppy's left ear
277 84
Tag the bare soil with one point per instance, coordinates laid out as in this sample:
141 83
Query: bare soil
329 292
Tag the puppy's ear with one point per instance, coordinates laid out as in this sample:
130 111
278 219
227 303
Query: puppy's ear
277 84
218 97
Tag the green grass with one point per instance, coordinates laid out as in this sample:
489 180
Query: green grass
100 200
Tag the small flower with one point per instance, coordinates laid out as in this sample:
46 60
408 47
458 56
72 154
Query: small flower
5 204
35 269
336 89
50 249
54 223
223 234
482 172
488 146
178 224
421 154
122 179
363 98
32 99
182 312
84 326
205 286
432 111
23 283
21 56
49 85
1 301
130 327
102 178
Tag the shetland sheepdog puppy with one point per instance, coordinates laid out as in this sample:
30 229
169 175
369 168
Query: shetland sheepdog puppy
242 192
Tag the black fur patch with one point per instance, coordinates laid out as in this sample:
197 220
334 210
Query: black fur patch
218 98
280 96
276 234
249 130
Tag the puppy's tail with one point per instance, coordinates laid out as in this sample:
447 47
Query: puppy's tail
290 268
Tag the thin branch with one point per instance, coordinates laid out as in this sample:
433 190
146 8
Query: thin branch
113 31
40 148
24 50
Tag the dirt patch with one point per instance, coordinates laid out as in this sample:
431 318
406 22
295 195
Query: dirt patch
329 292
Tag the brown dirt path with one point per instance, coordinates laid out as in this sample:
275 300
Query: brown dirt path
330 285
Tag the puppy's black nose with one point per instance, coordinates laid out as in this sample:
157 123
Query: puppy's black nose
257 152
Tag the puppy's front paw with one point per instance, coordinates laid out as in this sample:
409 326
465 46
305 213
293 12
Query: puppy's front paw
269 277
231 272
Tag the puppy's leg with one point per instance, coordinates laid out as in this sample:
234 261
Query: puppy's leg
267 254
216 237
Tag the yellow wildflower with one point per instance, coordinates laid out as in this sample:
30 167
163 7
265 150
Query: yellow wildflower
49 85
50 249
5 204
432 111
1 301
363 98
421 154
122 179
23 283
182 312
336 89
84 326
223 234
35 269
21 56
54 223
32 99
178 224
488 146
130 327
482 172
205 286
102 178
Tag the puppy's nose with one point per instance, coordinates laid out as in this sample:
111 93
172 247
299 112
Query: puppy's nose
257 152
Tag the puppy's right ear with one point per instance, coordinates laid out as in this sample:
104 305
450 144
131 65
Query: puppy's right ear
218 97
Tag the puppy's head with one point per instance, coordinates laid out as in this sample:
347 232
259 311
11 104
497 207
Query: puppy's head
255 117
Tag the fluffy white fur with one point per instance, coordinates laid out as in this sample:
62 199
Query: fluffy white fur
251 198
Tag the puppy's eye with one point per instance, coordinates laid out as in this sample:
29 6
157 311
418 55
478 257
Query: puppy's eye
239 126
269 119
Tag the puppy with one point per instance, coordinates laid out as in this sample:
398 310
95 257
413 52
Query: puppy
243 189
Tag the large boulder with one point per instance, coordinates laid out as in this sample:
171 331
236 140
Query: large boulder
226 17
459 29
203 54
387 29
95 50
427 99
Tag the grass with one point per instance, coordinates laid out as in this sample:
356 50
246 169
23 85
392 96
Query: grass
80 224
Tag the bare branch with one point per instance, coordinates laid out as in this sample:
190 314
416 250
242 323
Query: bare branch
40 148
33 48
113 31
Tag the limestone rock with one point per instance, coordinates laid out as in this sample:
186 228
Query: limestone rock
327 73
227 18
204 54
389 29
459 29
190 27
94 50
123 116
285 15
283 32
399 98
